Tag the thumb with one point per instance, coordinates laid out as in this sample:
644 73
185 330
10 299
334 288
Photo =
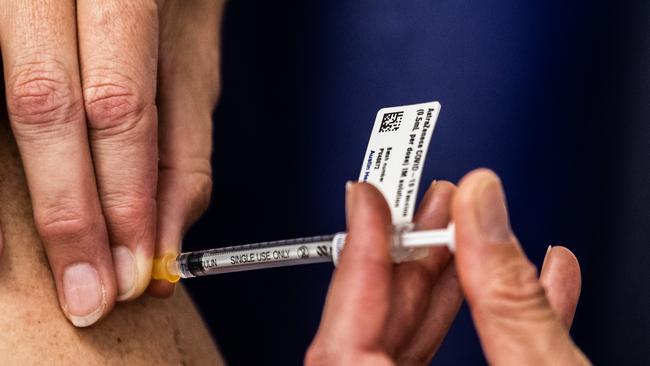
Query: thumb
561 279
513 317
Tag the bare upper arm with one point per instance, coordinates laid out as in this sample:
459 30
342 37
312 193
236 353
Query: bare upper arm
147 331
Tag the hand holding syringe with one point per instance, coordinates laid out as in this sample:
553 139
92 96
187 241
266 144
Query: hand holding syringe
393 163
407 245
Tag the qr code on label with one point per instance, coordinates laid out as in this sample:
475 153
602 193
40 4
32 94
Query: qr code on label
391 121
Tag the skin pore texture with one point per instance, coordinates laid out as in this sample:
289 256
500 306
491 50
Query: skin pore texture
147 331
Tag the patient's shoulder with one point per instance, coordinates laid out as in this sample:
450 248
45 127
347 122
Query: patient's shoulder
147 331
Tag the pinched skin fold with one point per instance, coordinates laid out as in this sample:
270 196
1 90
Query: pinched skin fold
146 331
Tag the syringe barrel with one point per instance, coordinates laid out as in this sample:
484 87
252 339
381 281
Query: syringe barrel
406 245
399 252
280 253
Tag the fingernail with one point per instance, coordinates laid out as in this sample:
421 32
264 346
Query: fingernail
348 186
349 198
83 293
428 195
492 212
349 193
548 251
125 271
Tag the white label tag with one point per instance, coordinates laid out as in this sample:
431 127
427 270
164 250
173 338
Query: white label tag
396 153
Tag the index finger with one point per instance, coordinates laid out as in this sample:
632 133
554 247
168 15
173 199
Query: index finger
118 50
358 300
39 52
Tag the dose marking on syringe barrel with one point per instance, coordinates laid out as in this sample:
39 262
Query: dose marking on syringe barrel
263 255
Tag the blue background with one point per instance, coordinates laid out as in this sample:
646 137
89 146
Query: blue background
553 95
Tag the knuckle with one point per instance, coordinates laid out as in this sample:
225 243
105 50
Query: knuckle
128 210
41 94
513 288
114 106
63 221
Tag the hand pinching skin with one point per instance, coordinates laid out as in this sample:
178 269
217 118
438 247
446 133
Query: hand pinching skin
95 91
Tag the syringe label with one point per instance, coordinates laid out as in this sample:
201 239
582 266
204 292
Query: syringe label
216 261
396 153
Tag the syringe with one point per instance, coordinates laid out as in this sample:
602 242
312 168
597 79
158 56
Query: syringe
406 245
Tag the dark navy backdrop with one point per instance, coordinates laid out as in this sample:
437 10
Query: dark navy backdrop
553 95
